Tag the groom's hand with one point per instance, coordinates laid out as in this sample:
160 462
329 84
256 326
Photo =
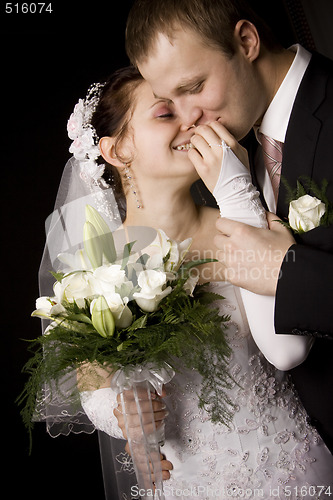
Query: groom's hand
207 153
252 257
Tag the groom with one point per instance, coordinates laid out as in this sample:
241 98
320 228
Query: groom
216 60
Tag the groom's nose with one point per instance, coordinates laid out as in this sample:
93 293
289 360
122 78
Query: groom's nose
190 118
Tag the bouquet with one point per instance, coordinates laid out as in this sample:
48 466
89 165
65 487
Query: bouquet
138 316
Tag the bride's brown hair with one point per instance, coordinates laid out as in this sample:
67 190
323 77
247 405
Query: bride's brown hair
111 119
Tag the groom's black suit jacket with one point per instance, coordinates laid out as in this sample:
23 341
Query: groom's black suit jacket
304 299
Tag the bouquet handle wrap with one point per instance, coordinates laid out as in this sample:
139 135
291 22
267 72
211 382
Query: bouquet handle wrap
136 384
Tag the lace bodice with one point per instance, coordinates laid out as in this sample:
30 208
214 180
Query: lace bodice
269 443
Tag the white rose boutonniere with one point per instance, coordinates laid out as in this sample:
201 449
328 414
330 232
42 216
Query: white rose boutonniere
308 211
305 213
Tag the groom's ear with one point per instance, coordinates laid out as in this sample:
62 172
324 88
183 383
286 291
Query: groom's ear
108 151
247 38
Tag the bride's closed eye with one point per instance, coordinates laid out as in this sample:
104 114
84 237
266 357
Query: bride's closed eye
163 112
166 115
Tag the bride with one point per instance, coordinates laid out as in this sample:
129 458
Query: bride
269 450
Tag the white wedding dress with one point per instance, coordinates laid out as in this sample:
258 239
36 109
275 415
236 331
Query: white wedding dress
270 450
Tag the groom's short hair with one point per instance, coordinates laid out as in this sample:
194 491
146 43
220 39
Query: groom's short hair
213 20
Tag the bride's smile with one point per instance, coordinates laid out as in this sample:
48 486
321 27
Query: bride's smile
158 139
184 147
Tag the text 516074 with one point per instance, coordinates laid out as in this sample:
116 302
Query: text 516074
28 8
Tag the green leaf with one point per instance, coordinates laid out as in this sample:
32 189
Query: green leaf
291 193
167 257
143 259
300 190
194 263
57 276
80 318
126 253
139 323
208 297
72 325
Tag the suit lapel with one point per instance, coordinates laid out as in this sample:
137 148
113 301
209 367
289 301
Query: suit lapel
298 155
302 133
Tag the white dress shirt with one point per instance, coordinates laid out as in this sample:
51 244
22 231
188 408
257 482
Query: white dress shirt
275 121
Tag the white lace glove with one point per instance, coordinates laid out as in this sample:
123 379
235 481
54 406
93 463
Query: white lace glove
98 406
235 194
239 200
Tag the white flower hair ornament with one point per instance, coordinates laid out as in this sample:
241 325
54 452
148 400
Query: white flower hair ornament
85 140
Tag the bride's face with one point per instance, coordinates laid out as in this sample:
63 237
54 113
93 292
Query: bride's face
155 143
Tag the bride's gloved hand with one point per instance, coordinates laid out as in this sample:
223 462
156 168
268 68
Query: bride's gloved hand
132 416
104 409
166 465
223 166
207 154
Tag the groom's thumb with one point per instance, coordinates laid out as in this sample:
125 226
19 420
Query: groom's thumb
274 222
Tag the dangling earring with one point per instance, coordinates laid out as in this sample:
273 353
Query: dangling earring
131 183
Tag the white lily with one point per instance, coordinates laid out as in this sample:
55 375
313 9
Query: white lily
103 232
102 317
162 247
77 261
92 245
47 307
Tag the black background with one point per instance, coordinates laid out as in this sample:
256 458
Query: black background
48 61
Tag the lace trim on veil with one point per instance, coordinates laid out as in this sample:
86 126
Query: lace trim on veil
59 406
62 421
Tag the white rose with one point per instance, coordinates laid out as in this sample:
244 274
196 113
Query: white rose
121 312
75 286
151 283
109 277
305 213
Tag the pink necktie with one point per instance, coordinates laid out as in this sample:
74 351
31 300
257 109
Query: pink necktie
272 150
